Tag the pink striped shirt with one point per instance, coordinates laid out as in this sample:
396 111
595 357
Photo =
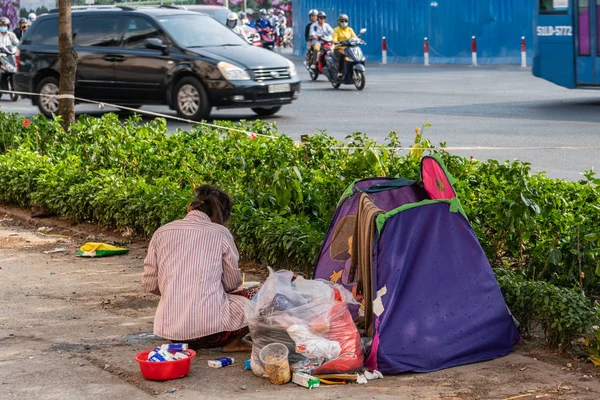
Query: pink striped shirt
193 264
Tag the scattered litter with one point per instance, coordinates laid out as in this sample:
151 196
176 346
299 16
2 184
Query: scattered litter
6 220
100 250
106 366
569 365
361 380
523 369
172 390
373 375
52 273
174 347
44 229
521 396
56 250
221 362
247 365
31 358
54 235
13 234
245 387
595 360
305 380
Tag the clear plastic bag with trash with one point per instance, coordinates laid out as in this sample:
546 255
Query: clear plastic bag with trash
310 318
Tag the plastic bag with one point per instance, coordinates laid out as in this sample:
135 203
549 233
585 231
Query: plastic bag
309 317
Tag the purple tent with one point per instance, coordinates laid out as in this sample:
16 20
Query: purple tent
437 303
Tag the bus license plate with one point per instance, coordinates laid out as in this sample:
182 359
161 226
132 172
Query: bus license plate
280 88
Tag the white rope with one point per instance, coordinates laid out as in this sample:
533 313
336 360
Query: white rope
146 112
474 148
253 134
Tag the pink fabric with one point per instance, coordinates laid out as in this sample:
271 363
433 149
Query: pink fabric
435 181
371 361
193 264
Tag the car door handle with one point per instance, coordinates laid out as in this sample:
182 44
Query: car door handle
114 58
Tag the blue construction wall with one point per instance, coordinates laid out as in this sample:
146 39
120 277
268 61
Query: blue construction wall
449 25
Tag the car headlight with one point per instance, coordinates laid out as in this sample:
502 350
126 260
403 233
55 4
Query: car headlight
232 72
292 69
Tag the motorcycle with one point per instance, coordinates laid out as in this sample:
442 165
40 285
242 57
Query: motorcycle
322 58
251 36
288 37
267 37
354 64
8 67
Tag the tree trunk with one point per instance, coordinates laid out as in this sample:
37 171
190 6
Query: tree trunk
68 64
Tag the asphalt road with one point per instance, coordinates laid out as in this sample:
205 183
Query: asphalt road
485 106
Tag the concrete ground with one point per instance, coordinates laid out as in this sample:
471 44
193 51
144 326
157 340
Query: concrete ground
69 329
498 106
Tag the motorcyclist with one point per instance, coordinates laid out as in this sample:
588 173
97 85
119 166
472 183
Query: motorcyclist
312 14
263 22
7 38
243 19
319 30
340 33
21 28
282 23
272 17
32 17
232 23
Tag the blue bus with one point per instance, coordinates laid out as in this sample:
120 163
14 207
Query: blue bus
567 42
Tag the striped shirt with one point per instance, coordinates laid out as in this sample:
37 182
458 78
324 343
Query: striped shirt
193 264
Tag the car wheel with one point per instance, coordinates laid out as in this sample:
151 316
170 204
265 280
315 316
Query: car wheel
47 103
266 112
191 101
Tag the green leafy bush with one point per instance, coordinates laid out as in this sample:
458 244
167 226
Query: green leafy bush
563 314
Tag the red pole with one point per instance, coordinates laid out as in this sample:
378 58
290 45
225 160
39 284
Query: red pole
426 52
523 45
474 51
383 50
523 53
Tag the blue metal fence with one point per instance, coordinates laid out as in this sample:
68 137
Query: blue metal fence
498 26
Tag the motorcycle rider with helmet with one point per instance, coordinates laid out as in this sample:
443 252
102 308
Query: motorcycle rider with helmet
312 14
282 23
263 22
232 23
319 30
32 17
243 18
7 38
340 33
21 28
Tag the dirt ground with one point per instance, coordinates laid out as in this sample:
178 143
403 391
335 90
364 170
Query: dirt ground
69 328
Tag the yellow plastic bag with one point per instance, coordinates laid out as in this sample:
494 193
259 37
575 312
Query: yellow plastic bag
100 250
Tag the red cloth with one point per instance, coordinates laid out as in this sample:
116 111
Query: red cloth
343 331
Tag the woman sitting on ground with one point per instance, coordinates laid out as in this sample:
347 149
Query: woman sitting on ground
193 265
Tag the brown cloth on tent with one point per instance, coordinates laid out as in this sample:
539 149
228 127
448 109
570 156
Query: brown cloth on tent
362 254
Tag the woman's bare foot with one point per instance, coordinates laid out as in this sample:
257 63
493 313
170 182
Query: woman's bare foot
237 344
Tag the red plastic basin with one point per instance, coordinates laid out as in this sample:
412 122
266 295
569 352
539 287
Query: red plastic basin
166 370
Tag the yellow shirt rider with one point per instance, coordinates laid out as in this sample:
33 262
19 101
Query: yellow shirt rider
340 33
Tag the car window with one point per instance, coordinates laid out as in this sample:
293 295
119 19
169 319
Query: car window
137 30
45 33
216 13
97 32
189 30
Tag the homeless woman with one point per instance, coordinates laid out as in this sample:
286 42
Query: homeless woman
192 264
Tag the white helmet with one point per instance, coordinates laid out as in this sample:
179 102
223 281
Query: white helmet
271 11
313 12
232 19
32 17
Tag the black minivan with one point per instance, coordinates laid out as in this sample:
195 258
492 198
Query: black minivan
137 56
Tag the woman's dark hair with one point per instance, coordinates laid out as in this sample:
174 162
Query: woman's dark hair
213 202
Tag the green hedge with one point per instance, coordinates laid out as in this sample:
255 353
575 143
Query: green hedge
138 176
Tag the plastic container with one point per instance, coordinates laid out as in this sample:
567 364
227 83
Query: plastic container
164 371
274 357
